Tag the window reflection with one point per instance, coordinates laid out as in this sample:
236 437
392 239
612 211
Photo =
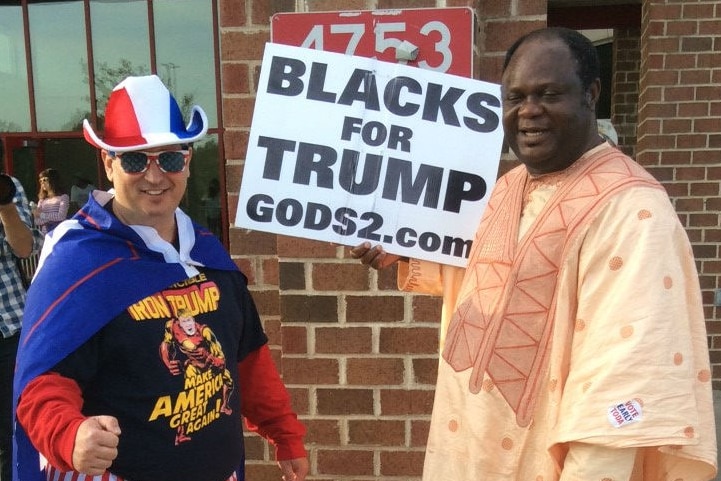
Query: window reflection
14 97
199 202
184 52
59 67
121 45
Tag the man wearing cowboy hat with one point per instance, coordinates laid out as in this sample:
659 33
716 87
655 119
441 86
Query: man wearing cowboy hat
93 391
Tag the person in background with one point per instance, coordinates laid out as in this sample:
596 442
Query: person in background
94 391
53 203
79 192
576 345
16 241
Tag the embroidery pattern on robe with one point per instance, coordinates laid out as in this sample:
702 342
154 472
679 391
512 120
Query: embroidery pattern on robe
504 315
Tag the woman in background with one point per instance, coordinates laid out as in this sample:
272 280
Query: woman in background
53 203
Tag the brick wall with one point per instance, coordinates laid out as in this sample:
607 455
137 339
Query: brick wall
624 102
679 130
358 356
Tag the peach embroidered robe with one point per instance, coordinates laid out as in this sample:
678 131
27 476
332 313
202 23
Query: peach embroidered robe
579 320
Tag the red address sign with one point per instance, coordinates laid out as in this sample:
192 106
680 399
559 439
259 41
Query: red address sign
443 36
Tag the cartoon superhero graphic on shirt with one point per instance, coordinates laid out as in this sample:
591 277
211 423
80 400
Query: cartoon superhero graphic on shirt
192 348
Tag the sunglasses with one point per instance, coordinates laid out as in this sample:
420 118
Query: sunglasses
171 161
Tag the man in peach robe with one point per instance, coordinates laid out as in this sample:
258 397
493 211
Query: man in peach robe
576 349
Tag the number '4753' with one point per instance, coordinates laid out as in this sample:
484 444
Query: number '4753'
383 42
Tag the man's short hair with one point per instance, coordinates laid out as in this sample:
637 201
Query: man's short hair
582 50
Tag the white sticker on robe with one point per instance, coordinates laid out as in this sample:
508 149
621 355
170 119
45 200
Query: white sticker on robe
625 413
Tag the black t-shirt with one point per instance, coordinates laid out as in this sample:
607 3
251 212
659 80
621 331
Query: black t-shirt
167 369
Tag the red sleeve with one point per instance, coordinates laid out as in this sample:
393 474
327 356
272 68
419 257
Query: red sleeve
266 405
49 410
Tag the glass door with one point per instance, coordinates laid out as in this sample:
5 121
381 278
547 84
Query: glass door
23 161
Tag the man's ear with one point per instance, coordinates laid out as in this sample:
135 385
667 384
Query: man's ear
190 157
107 164
593 93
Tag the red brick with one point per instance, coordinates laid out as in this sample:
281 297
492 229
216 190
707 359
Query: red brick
272 330
388 278
236 147
251 243
707 125
236 78
501 34
299 399
402 340
232 13
419 432
374 308
393 4
261 12
298 370
295 339
427 308
690 173
376 432
239 45
689 205
374 371
663 77
309 308
255 447
238 111
494 8
345 462
402 463
292 275
709 26
343 340
693 109
270 271
704 189
425 370
305 248
332 5
343 277
258 471
680 28
396 402
345 401
696 44
664 11
705 220
691 141
323 431
695 77
266 301
678 94
662 110
706 157
532 7
698 10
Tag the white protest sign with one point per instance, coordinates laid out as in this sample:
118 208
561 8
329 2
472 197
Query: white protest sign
349 149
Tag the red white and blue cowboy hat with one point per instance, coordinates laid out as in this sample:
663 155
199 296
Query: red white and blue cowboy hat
142 114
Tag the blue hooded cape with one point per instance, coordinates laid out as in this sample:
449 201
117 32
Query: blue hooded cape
91 269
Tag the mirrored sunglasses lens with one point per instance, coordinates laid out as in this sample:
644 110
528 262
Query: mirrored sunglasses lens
133 162
172 161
